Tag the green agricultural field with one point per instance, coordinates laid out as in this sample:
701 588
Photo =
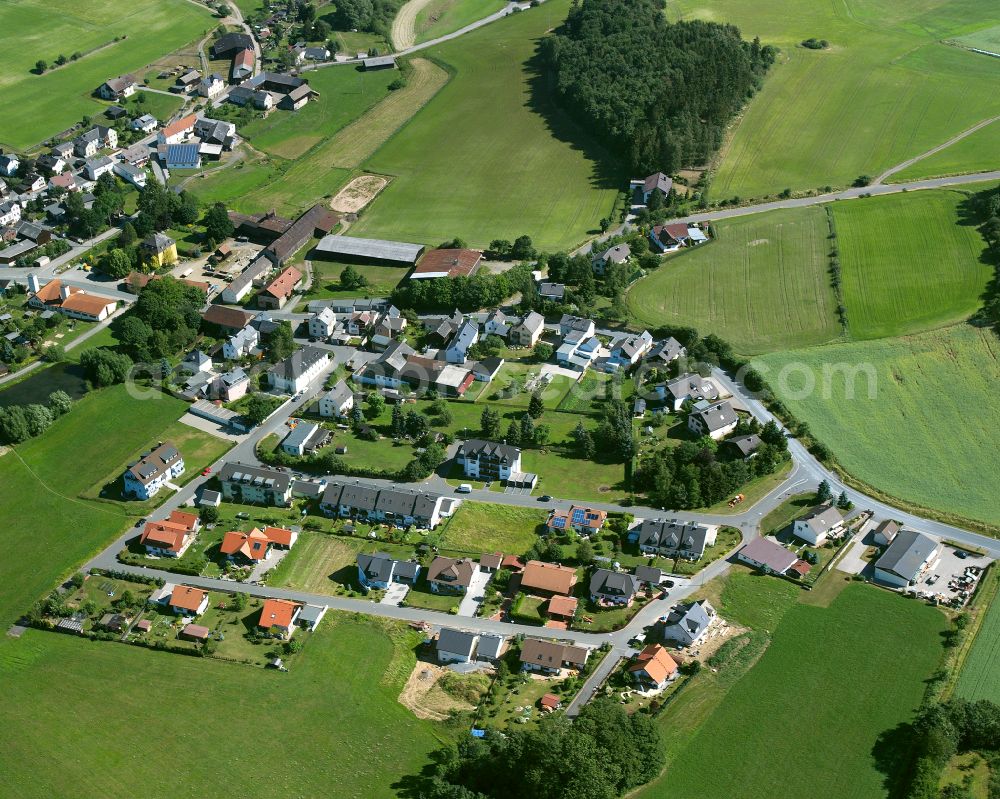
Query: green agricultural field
987 39
50 529
908 264
332 720
980 678
935 401
975 153
797 705
479 527
481 161
762 284
344 94
441 17
824 117
34 107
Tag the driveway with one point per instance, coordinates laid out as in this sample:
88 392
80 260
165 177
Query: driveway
273 558
394 594
474 597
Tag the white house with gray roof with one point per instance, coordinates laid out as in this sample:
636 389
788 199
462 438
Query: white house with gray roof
337 402
456 646
528 331
619 254
715 421
672 538
818 525
298 370
687 624
612 588
908 556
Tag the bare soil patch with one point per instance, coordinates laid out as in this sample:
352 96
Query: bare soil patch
358 193
422 695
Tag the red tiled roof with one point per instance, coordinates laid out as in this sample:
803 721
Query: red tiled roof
182 124
453 263
277 613
562 606
86 303
187 598
549 577
283 284
656 662
165 535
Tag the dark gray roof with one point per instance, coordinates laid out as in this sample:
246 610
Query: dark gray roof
908 552
253 475
717 416
822 518
458 641
605 581
747 445
477 448
377 567
376 249
691 385
648 574
692 618
672 535
298 363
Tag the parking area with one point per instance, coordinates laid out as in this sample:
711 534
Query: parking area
474 597
954 575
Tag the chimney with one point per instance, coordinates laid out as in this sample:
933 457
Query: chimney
33 284
64 291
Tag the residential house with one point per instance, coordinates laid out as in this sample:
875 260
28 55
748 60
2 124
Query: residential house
643 188
231 385
178 132
885 533
322 323
86 145
612 588
158 249
458 348
687 624
379 570
95 167
243 64
243 96
244 282
337 402
497 324
578 351
311 616
765 554
147 476
9 164
255 485
653 668
385 371
396 505
909 555
554 292
451 575
490 562
456 646
619 254
449 380
131 174
228 320
186 82
547 579
715 421
584 521
241 344
487 369
211 86
188 601
649 575
818 525
276 293
670 237
213 131
304 438
488 460
144 124
627 350
297 371
688 386
576 324
491 647
528 331
51 164
744 447
278 617
671 538
171 537
550 657
256 545
117 88
10 213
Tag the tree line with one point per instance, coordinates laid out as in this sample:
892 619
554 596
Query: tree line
658 94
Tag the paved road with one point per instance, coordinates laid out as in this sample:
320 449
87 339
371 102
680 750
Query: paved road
911 161
846 194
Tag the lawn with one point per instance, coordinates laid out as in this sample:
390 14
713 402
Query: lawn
333 719
809 701
975 153
980 678
885 90
787 512
762 285
441 17
987 39
381 280
35 107
314 561
920 426
479 527
908 264
344 94
490 157
49 528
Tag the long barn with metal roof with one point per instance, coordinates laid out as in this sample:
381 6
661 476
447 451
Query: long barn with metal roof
372 250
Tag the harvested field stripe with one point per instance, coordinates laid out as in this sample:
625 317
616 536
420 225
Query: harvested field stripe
359 140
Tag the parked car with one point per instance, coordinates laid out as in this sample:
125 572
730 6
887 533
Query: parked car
464 488
545 498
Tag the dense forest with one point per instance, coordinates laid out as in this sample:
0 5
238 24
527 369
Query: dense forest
658 94
374 16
